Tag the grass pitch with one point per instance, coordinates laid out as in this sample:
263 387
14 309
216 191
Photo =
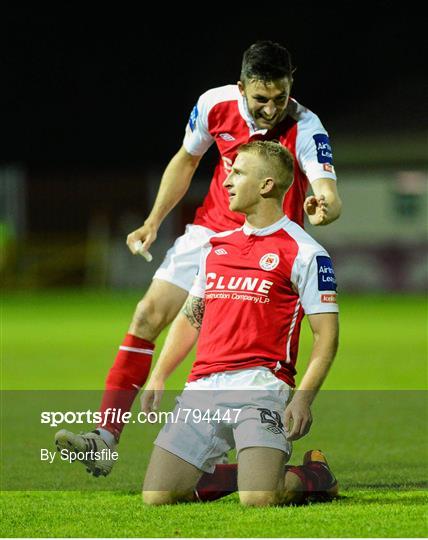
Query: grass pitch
371 420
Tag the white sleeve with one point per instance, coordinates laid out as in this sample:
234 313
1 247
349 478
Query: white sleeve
197 138
313 149
200 281
316 283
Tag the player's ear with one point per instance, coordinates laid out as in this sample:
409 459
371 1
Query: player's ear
267 186
241 87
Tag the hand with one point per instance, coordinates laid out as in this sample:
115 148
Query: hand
297 419
151 396
316 208
146 234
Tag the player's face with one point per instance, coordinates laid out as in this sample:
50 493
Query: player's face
266 101
243 183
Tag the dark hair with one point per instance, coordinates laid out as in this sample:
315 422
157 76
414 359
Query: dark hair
266 61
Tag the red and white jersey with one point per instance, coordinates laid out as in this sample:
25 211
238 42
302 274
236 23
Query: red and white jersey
221 116
257 285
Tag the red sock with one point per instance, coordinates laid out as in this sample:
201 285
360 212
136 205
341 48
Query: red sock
127 375
315 476
222 482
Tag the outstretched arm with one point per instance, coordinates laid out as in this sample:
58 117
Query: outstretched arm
174 184
181 337
325 330
324 206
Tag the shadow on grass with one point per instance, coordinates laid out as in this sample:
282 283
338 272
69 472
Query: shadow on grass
408 486
367 498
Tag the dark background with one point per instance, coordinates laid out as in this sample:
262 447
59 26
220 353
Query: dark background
109 86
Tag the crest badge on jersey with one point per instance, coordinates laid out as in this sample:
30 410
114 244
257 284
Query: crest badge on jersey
269 261
193 117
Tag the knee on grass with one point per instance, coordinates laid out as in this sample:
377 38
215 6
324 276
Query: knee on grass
258 498
291 494
158 498
271 498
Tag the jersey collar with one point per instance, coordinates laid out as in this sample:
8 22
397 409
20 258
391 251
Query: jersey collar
278 225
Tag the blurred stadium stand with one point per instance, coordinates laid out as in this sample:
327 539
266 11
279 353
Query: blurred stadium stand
64 228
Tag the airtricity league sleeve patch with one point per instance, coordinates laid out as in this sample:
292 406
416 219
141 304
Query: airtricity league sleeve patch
324 152
326 277
193 117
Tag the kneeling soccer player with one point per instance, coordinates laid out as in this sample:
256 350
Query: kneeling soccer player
254 285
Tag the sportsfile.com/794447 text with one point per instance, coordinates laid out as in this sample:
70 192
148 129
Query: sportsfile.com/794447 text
112 415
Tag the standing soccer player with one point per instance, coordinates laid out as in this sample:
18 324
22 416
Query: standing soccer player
258 107
245 308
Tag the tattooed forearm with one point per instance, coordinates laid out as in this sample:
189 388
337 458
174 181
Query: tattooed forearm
194 310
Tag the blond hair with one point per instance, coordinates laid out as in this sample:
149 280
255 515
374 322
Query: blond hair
277 162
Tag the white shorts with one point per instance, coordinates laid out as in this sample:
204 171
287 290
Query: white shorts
182 260
234 409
